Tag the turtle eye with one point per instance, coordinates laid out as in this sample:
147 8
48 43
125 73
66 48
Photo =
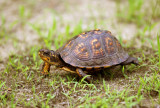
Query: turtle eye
46 53
51 53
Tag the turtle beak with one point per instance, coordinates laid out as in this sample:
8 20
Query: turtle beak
44 52
41 51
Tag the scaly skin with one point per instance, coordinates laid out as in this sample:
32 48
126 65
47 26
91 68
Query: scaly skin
45 68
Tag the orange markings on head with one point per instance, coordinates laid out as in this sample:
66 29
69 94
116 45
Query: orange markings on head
47 59
97 29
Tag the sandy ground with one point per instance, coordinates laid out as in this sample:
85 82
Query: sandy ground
70 12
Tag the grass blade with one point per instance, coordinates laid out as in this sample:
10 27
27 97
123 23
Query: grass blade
158 48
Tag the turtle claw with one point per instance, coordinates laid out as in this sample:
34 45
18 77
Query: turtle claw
88 79
82 74
44 73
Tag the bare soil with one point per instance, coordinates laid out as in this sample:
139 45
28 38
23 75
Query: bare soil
66 12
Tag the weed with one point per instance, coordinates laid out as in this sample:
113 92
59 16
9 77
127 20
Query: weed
132 12
158 43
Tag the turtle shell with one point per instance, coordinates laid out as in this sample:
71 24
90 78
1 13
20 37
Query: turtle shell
93 49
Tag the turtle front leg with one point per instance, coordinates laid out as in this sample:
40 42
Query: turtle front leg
45 68
82 74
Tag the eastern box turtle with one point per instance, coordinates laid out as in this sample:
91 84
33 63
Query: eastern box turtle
86 52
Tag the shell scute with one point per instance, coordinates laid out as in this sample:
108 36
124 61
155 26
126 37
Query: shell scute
96 48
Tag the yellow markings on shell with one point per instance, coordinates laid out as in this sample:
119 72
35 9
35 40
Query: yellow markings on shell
67 45
94 40
84 55
97 32
108 41
81 51
89 68
83 36
96 48
97 67
97 29
97 45
79 46
99 52
111 43
109 32
81 67
106 66
108 46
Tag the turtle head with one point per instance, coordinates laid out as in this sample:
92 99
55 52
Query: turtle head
49 56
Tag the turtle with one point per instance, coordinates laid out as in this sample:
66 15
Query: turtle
89 51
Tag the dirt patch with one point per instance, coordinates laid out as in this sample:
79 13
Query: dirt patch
22 83
20 64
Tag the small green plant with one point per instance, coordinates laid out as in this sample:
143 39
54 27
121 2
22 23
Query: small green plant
131 12
158 43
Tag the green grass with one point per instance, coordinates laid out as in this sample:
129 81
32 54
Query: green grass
22 85
138 11
131 12
158 43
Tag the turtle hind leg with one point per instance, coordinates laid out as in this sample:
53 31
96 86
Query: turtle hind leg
130 60
82 74
45 68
